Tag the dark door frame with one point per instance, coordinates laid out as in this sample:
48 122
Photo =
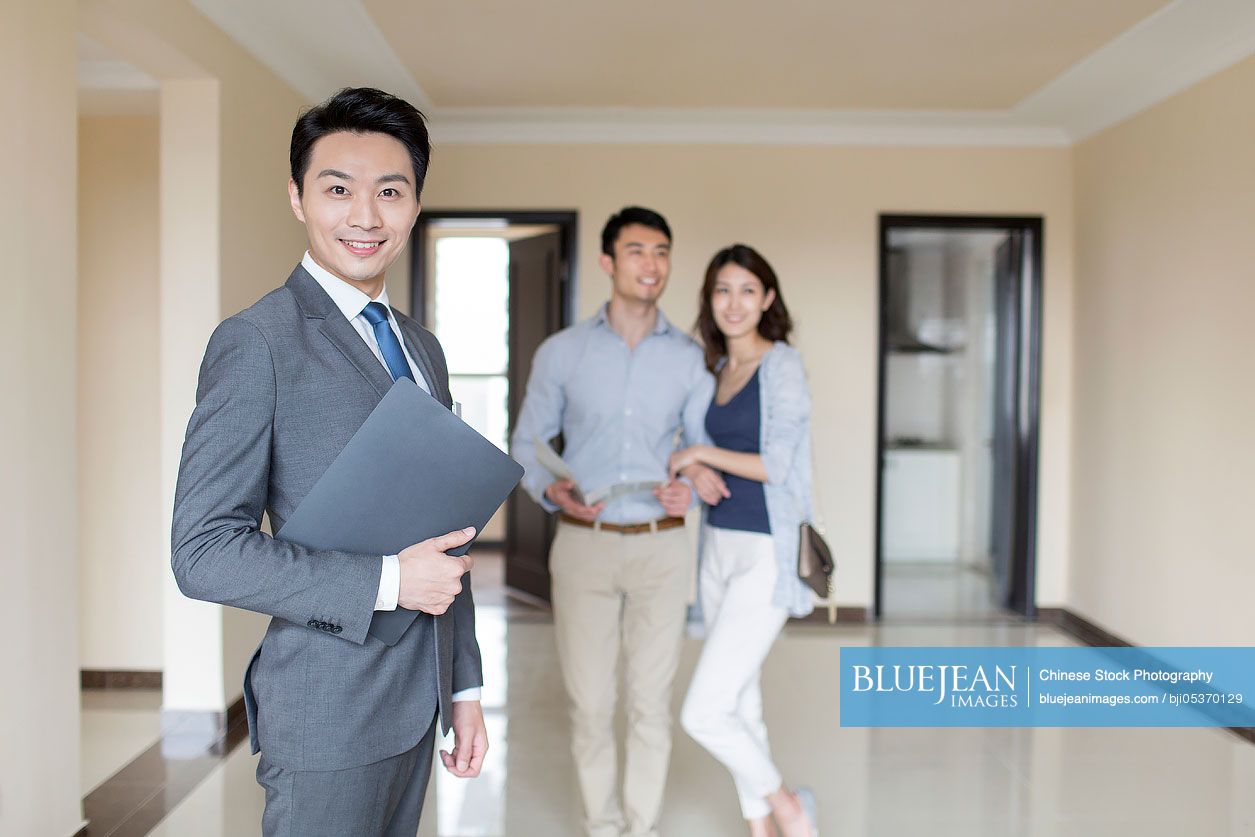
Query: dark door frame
567 222
1028 368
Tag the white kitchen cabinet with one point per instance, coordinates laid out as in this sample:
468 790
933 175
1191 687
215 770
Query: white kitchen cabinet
920 507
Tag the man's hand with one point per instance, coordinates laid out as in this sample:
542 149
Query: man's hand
559 493
470 740
708 483
674 496
430 578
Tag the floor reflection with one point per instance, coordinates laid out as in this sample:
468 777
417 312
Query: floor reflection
870 782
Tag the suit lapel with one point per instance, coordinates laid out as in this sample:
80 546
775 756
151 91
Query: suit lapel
419 352
316 305
350 343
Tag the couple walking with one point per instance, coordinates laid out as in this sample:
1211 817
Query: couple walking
617 386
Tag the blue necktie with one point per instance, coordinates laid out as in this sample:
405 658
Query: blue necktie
377 315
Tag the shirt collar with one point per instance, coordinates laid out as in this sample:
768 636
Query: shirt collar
661 324
347 298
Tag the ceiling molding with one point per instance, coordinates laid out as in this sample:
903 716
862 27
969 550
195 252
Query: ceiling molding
288 36
1173 49
98 69
737 126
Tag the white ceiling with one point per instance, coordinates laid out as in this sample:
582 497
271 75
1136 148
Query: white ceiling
958 72
108 86
809 54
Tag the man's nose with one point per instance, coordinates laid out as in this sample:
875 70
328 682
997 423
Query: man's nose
364 214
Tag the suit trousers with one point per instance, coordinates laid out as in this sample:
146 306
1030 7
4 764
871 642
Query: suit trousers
617 592
723 710
381 799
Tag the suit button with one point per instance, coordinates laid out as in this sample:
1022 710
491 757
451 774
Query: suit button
337 629
313 623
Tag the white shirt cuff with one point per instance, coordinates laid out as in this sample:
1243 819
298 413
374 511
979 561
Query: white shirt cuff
468 694
389 584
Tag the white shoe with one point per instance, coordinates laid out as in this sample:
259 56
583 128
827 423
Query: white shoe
809 807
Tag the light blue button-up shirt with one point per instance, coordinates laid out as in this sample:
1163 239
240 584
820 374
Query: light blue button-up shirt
617 409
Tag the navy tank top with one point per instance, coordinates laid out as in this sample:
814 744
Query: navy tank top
735 426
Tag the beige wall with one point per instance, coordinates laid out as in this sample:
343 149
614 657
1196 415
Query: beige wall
39 715
170 39
122 554
1163 540
813 213
228 238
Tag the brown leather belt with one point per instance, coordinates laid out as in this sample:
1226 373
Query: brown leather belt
626 528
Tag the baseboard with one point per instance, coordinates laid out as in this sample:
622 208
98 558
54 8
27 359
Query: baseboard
1096 636
90 678
846 615
1081 628
142 793
187 732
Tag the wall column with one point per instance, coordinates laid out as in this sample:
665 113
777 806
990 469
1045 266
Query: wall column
190 276
39 704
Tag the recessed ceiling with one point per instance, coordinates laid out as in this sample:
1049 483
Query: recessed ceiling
864 54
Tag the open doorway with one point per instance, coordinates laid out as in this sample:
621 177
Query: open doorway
957 432
492 286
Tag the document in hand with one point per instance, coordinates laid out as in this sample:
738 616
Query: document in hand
556 465
412 471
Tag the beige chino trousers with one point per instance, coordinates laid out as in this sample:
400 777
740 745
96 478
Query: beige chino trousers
615 591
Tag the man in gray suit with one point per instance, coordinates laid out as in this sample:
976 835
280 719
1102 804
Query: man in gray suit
345 723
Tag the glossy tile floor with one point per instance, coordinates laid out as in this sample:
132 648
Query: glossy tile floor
117 725
929 591
1073 782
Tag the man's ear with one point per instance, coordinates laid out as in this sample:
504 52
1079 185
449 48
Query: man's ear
294 197
607 264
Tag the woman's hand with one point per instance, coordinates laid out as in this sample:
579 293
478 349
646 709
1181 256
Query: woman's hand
682 459
708 484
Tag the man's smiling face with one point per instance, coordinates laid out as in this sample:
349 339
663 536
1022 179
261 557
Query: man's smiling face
641 264
358 204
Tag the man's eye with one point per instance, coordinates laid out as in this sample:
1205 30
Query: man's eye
338 190
389 193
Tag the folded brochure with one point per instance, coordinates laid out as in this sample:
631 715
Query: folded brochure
555 465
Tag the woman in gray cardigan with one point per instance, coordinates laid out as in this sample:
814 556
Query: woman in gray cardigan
753 474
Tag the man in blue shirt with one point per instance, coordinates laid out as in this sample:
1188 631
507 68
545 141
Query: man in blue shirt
622 388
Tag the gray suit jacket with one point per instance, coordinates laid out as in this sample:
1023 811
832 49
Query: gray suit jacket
283 387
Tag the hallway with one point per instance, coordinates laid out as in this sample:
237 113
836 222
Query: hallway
873 782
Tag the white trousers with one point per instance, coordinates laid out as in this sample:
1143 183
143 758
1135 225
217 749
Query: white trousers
723 710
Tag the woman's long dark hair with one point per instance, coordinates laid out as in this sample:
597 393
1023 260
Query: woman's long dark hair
775 323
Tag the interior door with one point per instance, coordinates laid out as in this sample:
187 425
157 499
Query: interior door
1004 523
535 312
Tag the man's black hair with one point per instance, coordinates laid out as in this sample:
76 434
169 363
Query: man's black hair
631 215
361 110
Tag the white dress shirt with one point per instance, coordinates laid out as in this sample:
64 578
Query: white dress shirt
352 303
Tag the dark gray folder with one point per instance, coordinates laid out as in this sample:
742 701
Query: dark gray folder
412 471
